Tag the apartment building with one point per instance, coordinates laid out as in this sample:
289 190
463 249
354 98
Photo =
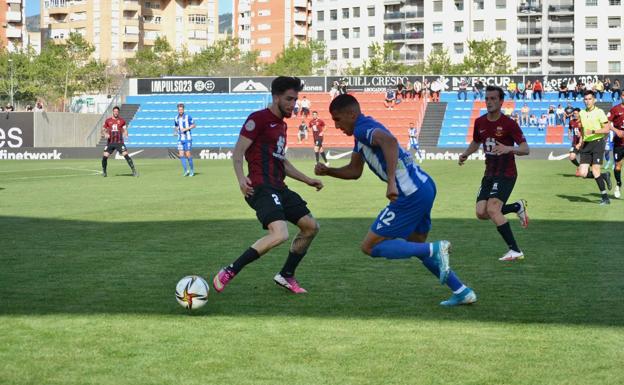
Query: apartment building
12 24
118 28
269 26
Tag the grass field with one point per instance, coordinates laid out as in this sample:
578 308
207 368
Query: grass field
88 267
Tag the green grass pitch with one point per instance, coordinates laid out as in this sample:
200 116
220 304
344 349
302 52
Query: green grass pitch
88 267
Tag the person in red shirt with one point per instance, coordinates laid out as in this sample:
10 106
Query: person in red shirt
616 117
262 142
114 130
497 134
537 90
318 132
575 133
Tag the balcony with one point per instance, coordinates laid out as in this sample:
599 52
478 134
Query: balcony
418 56
300 31
529 9
414 35
529 53
301 16
561 71
14 17
535 30
12 33
561 31
132 5
561 52
561 9
415 15
404 35
394 2
301 3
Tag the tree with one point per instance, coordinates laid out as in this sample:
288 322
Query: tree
300 59
487 57
382 61
155 61
439 62
223 58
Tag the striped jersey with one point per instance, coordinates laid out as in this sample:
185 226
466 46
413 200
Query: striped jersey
409 177
413 132
183 121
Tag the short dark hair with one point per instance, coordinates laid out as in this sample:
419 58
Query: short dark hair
500 91
589 92
577 109
281 84
116 108
180 104
315 112
342 102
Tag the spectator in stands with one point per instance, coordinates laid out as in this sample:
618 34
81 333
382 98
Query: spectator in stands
529 90
563 90
10 108
418 89
463 89
516 118
390 99
607 85
400 90
615 90
599 87
436 88
343 86
334 91
551 115
520 90
543 121
29 108
297 108
302 135
477 90
560 114
568 113
511 89
532 120
1 108
589 86
538 88
305 107
578 90
425 89
39 106
524 115
409 90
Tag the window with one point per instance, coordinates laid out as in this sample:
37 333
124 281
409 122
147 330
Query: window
264 40
345 53
320 35
591 22
459 48
371 31
345 33
615 2
197 19
615 67
345 13
501 24
591 66
333 34
152 5
436 47
459 5
356 53
615 22
333 14
478 26
437 6
333 54
320 15
264 12
591 3
501 4
459 26
371 11
356 32
356 12
265 53
264 27
591 45
478 4
437 27
615 44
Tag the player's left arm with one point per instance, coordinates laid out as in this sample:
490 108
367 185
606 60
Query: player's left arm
390 148
291 171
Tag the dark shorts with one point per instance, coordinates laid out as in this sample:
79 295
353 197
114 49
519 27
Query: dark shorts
618 154
573 149
592 152
273 204
496 187
318 142
119 147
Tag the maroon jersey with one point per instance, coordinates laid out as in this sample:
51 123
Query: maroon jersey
575 128
115 129
616 116
505 131
318 126
265 157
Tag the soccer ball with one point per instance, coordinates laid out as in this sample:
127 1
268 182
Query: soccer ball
192 292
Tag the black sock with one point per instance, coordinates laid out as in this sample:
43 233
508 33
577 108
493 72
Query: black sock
618 177
246 258
324 157
104 163
129 160
511 208
288 271
316 155
601 186
574 162
505 232
589 175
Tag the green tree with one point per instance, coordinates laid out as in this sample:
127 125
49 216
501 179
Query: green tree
487 57
300 59
382 61
439 62
159 60
223 58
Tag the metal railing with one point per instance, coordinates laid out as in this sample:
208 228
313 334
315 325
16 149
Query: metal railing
561 8
404 35
561 51
529 30
532 52
530 8
94 135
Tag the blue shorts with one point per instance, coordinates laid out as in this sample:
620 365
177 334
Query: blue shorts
185 145
407 215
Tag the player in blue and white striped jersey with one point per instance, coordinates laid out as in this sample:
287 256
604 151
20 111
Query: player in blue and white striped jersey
413 133
401 229
183 124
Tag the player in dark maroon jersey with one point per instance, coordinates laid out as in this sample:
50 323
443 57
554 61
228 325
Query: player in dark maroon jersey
616 117
114 130
497 134
575 133
318 131
262 141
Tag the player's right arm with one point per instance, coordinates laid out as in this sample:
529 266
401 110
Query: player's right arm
244 183
472 147
351 171
104 132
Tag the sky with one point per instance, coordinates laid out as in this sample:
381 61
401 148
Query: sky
32 7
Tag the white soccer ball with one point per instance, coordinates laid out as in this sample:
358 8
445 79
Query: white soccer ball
192 292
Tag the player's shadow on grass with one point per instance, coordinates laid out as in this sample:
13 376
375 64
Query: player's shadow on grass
79 267
576 198
568 175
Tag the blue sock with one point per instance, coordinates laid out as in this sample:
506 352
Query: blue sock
190 160
183 160
452 281
400 249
